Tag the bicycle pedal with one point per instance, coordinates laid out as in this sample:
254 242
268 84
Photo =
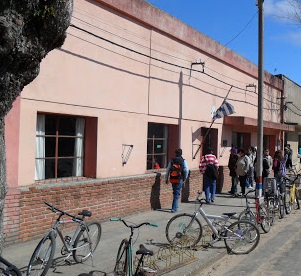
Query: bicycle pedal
68 262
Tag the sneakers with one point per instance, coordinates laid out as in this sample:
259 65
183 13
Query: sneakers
230 192
212 200
173 211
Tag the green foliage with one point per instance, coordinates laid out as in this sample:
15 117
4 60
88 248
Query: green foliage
46 12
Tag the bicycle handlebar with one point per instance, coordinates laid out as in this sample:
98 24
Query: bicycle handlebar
133 226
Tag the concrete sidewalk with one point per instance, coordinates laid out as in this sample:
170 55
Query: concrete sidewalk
153 238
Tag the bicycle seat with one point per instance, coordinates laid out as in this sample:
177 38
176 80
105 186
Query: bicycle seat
231 215
144 251
85 213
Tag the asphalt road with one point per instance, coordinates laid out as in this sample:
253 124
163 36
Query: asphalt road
278 253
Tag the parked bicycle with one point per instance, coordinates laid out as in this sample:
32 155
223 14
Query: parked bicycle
274 196
9 269
185 230
124 261
262 216
81 245
292 193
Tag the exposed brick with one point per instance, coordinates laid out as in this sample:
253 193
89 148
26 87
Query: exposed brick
27 217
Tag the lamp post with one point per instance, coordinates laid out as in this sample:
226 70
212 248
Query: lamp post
260 101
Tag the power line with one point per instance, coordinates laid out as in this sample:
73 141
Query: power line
165 62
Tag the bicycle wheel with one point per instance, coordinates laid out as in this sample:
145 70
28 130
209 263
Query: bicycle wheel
122 259
247 215
241 237
184 230
296 202
281 207
86 241
264 218
287 201
42 256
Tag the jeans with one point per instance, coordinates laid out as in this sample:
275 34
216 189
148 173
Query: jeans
176 194
210 188
234 185
251 176
242 181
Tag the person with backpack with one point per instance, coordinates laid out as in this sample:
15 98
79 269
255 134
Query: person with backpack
242 168
177 173
209 167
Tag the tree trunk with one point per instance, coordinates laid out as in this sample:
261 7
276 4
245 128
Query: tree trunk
29 29
3 184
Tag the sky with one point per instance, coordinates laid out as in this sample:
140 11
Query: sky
234 23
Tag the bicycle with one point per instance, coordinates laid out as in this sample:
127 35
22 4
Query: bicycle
262 215
81 245
124 262
292 198
10 270
185 230
273 196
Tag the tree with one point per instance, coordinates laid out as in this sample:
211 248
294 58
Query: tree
290 10
29 30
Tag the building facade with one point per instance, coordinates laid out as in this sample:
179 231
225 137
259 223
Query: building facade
97 127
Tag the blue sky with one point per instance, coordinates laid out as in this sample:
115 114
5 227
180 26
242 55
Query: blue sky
235 23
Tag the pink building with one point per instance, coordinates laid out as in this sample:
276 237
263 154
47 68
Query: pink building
130 84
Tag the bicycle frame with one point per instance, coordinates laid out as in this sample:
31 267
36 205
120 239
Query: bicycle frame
68 245
248 208
210 220
129 248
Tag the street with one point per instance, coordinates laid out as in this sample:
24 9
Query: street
278 253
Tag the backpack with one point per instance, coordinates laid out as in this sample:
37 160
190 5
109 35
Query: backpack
176 168
265 164
210 171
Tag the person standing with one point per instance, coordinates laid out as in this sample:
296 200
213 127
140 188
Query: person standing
242 168
289 163
252 156
176 173
209 167
267 164
232 168
279 164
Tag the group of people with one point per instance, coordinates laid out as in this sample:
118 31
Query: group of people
242 167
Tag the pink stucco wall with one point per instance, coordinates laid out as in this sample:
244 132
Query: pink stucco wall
91 75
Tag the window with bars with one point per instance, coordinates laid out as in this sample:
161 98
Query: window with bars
59 146
157 145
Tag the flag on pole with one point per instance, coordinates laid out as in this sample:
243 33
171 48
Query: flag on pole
224 110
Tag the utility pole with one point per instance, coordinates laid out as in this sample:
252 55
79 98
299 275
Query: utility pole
260 101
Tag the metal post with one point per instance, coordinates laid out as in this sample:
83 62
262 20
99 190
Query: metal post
260 101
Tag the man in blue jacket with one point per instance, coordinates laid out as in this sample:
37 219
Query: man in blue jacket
177 173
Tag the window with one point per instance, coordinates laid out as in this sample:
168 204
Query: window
162 140
59 146
241 140
157 146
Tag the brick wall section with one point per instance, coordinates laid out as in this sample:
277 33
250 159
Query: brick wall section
12 215
27 216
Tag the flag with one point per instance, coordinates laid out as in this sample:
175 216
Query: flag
224 110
